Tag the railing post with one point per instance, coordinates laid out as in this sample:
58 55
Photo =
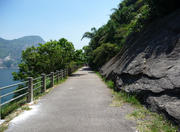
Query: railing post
73 69
43 83
52 79
30 90
62 74
57 76
66 72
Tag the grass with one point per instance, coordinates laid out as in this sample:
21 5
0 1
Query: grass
147 121
109 83
13 114
122 97
9 108
151 122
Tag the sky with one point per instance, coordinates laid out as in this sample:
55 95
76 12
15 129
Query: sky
53 19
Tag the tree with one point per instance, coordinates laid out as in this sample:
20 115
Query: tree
103 54
79 57
90 35
45 58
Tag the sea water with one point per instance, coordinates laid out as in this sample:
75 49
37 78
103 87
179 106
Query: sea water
6 78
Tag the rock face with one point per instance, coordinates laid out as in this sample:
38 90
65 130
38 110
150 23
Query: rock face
149 65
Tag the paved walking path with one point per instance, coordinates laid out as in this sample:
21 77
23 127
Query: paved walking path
81 104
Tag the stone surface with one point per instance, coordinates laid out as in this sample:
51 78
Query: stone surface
149 65
81 104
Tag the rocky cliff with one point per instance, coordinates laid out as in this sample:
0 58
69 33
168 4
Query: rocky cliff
149 65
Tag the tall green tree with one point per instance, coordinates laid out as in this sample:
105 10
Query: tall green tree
90 35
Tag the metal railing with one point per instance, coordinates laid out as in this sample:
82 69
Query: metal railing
31 87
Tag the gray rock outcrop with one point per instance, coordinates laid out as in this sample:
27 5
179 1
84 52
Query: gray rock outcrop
149 65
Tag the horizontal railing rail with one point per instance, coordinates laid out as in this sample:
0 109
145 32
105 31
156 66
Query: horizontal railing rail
5 87
13 92
14 98
38 78
33 86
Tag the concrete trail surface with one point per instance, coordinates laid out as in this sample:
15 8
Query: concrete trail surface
81 104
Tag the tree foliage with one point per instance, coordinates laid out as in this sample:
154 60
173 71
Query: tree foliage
104 53
128 18
48 57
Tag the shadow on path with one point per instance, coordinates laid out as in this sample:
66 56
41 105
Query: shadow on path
91 72
77 75
86 69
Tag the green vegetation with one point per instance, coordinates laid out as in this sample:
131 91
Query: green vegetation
129 18
45 58
15 113
125 98
120 97
110 84
147 121
48 57
9 108
151 122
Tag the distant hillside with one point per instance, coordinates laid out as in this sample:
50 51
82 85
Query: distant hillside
10 50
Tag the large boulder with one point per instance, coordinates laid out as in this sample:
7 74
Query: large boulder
149 65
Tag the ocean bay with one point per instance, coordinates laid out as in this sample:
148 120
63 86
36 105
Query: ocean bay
6 79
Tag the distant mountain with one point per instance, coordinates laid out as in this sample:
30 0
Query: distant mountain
10 50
